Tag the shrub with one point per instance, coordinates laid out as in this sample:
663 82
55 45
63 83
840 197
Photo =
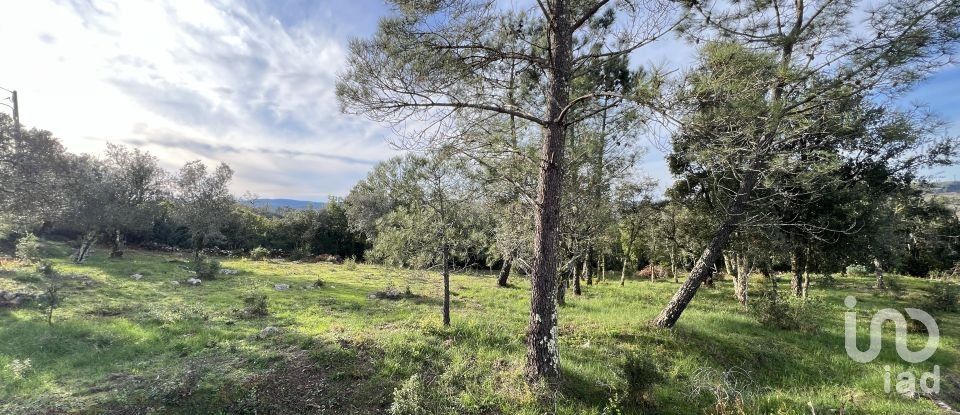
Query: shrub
415 397
773 309
942 296
259 253
207 269
51 291
256 305
728 389
857 270
827 281
892 284
640 374
28 248
350 264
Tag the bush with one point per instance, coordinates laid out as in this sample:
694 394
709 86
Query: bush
827 281
857 270
350 264
256 305
942 296
28 248
259 253
773 309
413 398
640 373
207 269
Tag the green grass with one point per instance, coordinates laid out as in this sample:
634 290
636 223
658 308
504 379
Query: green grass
124 346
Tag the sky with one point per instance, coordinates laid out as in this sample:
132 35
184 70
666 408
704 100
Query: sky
249 83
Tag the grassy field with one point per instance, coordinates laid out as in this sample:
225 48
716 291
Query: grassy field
120 345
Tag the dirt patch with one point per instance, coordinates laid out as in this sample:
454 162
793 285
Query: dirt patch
301 385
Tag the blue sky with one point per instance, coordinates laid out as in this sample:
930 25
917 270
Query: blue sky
250 83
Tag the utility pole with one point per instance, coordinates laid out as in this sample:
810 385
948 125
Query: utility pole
16 111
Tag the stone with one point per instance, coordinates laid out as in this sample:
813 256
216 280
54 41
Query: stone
194 281
9 296
227 271
137 277
281 287
174 282
268 332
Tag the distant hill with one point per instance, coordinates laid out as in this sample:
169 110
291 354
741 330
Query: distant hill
287 203
945 187
948 192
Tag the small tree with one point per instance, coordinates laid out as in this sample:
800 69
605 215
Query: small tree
203 202
433 224
51 289
28 248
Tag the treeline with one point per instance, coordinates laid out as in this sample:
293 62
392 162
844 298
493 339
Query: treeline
124 197
781 144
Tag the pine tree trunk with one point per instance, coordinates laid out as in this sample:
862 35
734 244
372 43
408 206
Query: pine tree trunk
446 285
878 271
505 272
703 268
543 358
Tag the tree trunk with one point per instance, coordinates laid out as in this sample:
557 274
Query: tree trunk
730 265
603 267
703 268
505 272
798 264
577 291
446 285
742 279
768 275
878 271
117 245
623 272
86 242
587 272
562 283
543 358
673 266
199 240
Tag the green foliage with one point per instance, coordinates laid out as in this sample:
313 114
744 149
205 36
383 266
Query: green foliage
28 248
412 397
256 305
140 340
350 264
640 374
259 253
52 284
774 309
206 268
857 270
942 296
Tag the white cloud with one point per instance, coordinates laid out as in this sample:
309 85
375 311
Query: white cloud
218 81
